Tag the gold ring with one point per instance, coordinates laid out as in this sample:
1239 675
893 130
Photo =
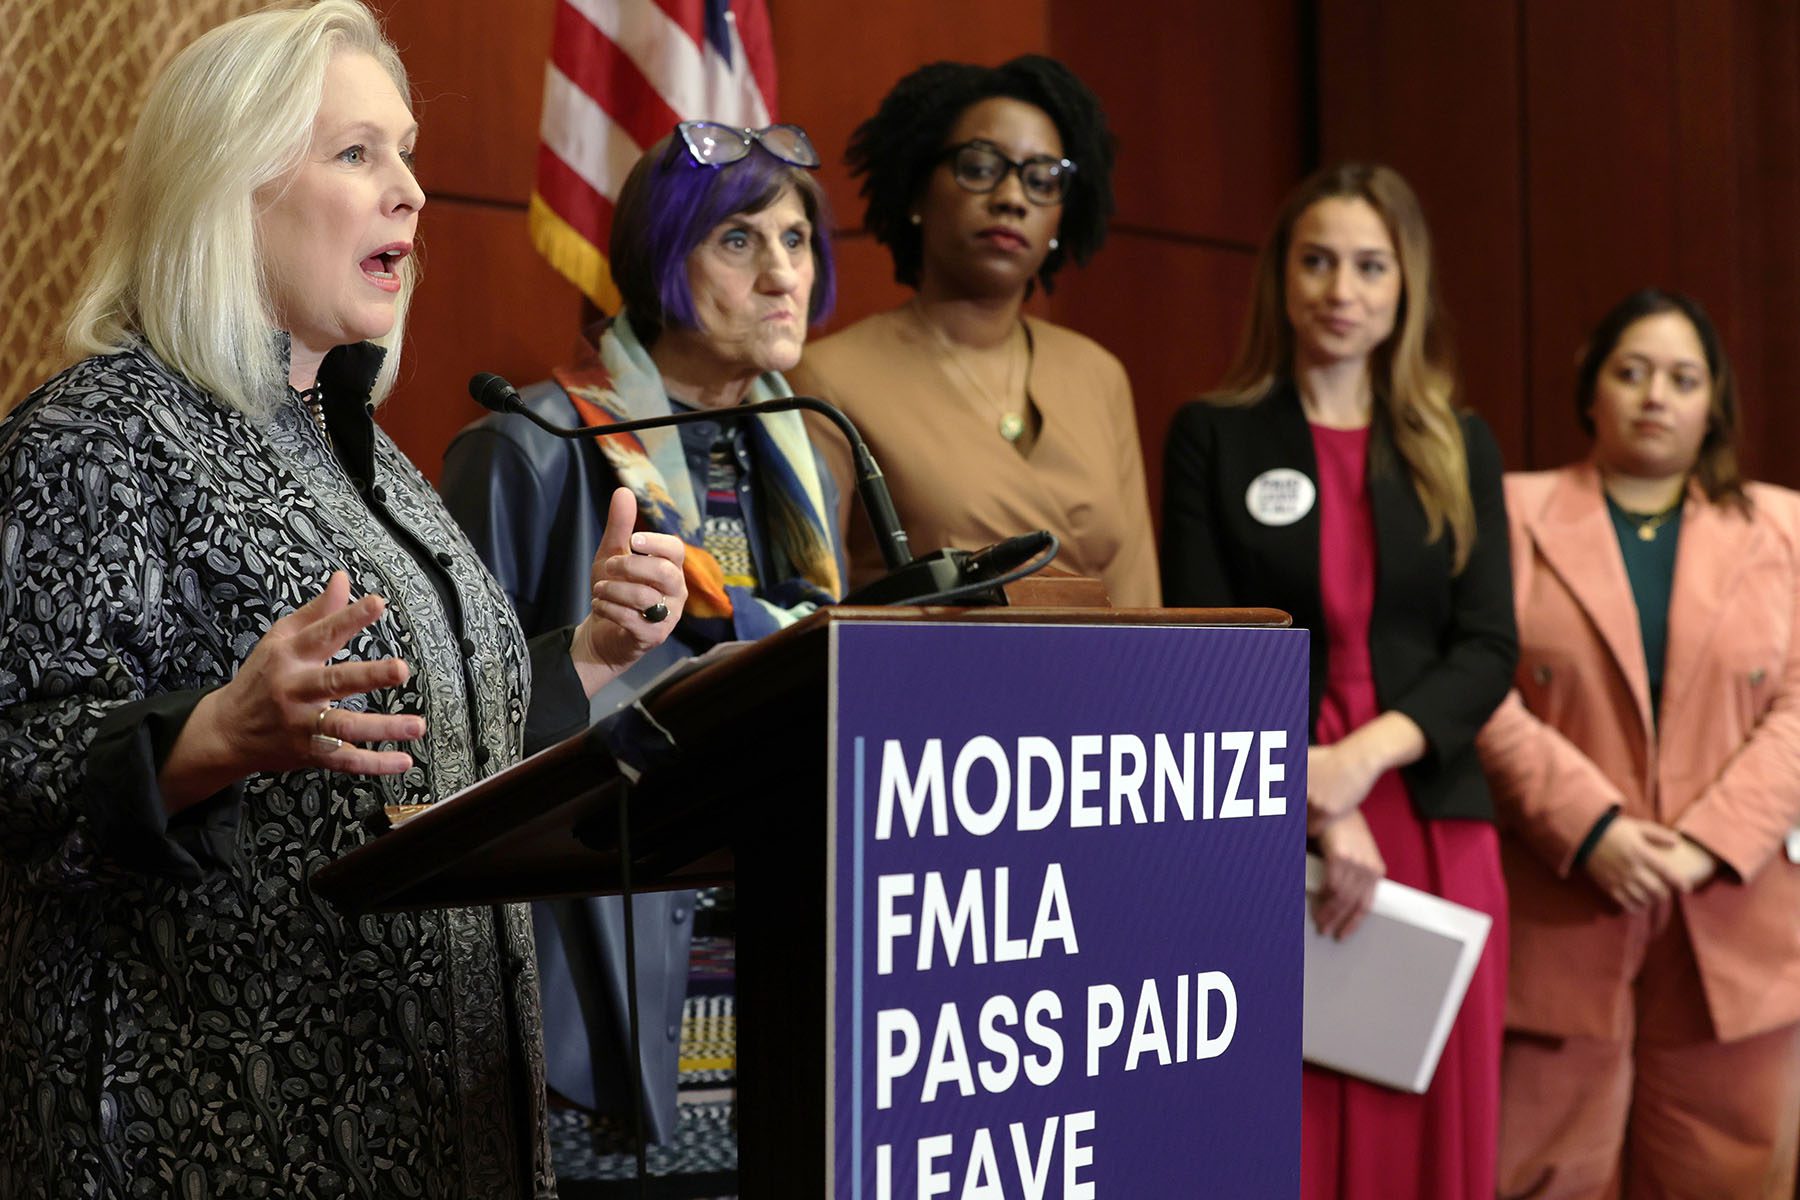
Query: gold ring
323 743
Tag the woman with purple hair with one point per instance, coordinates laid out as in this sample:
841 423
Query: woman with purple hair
720 250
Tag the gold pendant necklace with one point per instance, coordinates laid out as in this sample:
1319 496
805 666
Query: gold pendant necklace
1011 422
1647 525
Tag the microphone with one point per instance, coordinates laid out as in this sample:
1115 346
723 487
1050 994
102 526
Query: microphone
973 577
492 392
1004 556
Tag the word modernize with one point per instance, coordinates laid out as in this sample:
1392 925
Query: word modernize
1103 777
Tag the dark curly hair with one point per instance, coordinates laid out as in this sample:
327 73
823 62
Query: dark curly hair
896 150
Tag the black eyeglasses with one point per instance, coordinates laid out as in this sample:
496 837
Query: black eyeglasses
979 167
715 144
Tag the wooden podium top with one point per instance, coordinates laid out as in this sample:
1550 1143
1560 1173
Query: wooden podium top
549 826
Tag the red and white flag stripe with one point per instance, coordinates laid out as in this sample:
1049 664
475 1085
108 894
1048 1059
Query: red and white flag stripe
621 74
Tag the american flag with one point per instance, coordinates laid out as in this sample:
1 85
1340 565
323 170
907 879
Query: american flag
621 74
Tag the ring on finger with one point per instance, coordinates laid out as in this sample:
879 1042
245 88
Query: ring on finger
322 742
656 613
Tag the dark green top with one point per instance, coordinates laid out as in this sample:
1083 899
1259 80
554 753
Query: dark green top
1650 566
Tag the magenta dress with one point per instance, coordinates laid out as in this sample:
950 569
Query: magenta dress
1360 1140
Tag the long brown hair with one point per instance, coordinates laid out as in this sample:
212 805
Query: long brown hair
1411 373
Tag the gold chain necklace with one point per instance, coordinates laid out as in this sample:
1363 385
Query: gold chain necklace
1647 524
1011 420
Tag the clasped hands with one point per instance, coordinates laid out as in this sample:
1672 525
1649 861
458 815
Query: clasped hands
1639 863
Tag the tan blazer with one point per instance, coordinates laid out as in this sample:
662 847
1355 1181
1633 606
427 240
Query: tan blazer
956 482
1576 736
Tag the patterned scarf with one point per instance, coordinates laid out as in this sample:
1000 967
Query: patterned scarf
808 569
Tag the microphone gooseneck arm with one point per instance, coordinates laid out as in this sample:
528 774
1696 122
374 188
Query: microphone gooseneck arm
944 575
495 393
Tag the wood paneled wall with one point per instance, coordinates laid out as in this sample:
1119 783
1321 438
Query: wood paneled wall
1207 100
487 301
837 61
1565 153
1208 112
1568 154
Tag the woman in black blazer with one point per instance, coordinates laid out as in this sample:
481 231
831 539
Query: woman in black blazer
1332 477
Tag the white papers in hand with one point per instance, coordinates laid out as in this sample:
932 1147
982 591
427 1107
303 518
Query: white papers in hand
1380 1003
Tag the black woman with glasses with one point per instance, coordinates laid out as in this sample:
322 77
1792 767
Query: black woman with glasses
982 182
720 249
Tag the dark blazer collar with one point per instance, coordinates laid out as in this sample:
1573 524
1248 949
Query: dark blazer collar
347 370
1294 432
347 376
1289 427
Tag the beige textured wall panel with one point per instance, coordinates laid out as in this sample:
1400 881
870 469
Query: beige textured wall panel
73 74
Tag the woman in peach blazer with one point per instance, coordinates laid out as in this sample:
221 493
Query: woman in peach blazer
1646 770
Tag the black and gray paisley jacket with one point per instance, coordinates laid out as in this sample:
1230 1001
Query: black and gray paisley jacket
179 1015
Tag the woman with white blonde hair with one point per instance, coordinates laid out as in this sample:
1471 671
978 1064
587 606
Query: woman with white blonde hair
237 623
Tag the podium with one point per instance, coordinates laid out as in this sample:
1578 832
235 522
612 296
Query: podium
1019 890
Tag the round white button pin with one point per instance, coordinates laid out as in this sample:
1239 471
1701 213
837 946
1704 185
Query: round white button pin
1280 496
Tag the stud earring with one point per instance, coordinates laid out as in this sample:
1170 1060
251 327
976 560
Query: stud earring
916 219
1054 243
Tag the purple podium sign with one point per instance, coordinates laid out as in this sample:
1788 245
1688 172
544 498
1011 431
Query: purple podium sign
1067 911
